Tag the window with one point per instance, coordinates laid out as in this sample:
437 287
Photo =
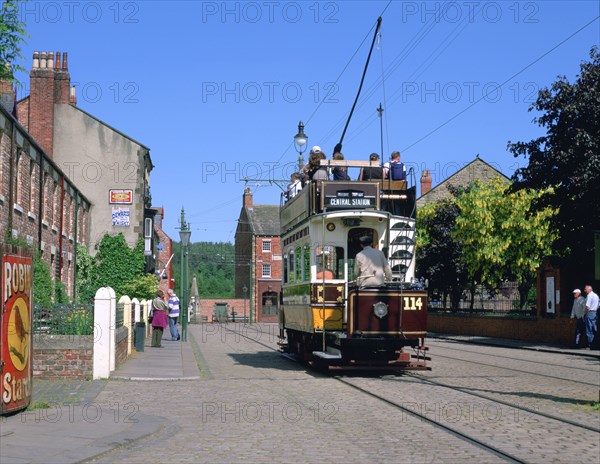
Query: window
330 262
269 303
266 270
266 246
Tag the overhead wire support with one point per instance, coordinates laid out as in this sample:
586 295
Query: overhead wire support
270 181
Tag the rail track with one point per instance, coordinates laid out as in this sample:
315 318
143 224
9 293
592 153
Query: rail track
481 444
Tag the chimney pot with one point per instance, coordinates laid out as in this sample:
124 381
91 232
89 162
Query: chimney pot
50 60
65 64
72 96
36 60
57 60
43 60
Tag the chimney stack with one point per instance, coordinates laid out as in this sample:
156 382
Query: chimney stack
425 182
50 84
248 198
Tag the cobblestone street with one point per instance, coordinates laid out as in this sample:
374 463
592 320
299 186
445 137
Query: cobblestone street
254 405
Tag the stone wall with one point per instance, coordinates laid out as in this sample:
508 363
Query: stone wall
556 331
62 356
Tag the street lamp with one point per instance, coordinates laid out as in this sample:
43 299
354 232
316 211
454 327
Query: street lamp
300 140
245 290
184 234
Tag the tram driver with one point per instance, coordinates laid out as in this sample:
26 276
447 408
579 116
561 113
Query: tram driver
371 267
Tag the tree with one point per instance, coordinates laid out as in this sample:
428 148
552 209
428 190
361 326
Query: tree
142 287
567 159
438 252
12 33
503 238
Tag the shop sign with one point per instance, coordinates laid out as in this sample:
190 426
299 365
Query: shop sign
120 197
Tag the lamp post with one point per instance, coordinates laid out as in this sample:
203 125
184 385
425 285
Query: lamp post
300 140
184 234
245 290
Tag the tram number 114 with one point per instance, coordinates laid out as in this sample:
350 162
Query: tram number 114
412 303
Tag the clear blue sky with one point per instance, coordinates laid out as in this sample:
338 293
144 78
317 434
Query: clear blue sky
216 89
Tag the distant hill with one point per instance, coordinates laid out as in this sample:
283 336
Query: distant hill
212 263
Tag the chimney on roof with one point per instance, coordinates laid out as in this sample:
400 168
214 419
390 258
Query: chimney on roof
72 96
50 84
425 182
247 198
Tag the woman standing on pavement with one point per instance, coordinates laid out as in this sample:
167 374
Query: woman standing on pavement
160 311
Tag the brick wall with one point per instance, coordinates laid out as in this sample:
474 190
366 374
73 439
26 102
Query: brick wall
121 340
558 331
207 306
62 357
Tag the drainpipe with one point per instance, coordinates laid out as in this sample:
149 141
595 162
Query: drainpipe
41 202
60 229
11 182
75 238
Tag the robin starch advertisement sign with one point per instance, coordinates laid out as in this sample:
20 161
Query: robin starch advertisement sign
16 324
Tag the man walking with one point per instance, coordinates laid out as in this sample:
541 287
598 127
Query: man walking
173 315
577 314
591 311
371 268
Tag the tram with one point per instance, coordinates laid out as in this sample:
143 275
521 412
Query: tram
327 317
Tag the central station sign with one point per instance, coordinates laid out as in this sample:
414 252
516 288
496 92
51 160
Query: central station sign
342 195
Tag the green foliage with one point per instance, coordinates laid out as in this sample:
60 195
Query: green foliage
503 238
439 254
66 321
60 295
84 276
117 265
42 281
567 159
213 265
12 33
142 287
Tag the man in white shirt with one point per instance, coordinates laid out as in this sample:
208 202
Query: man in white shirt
371 268
591 314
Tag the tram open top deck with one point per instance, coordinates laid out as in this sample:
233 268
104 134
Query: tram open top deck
395 197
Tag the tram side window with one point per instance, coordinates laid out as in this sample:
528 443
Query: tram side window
298 264
330 262
285 269
291 271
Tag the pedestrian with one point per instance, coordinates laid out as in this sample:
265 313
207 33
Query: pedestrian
173 314
372 173
394 169
371 268
340 172
591 315
160 311
577 313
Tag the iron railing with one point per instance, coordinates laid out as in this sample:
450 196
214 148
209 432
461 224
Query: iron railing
63 319
120 316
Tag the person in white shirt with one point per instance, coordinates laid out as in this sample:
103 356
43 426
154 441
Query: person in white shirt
294 187
371 268
591 314
577 313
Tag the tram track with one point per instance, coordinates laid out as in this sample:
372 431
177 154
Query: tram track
512 358
522 371
453 431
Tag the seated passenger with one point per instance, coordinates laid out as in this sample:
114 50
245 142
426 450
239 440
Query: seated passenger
319 172
372 173
340 172
394 170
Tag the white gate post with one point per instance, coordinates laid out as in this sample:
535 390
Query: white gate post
113 327
127 321
102 330
136 310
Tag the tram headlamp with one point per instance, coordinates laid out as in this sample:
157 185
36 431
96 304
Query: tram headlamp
380 309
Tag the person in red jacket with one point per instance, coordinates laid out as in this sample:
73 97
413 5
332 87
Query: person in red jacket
160 318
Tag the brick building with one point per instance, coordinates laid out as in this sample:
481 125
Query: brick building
164 251
475 170
109 167
258 258
38 201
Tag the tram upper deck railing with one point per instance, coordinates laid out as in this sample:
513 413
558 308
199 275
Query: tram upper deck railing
392 196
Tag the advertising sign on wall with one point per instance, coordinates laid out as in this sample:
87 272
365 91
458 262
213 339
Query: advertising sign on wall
16 328
120 216
120 197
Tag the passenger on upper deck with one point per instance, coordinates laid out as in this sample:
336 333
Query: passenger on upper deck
294 186
320 172
340 172
395 169
372 173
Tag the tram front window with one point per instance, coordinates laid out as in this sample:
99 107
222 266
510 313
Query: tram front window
330 262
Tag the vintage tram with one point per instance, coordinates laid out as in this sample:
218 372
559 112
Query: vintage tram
327 317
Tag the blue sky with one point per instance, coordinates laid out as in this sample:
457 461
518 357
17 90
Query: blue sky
216 89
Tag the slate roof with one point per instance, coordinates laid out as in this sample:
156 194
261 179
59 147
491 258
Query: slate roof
264 219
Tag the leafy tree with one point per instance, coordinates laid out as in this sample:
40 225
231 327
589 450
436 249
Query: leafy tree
438 252
567 159
503 238
142 287
85 289
12 33
42 282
